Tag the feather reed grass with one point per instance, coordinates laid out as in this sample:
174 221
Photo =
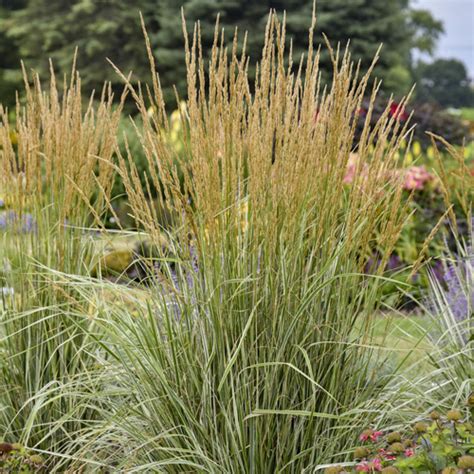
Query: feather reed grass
58 176
251 360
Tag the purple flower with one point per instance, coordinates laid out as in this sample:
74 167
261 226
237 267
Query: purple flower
24 223
373 263
459 282
452 285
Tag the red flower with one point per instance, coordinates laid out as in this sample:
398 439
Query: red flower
409 452
398 112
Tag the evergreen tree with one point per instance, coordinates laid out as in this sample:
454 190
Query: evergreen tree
366 23
10 76
110 28
99 29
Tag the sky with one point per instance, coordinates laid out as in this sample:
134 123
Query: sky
458 39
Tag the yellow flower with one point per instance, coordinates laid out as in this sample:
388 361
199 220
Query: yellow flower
416 148
174 136
176 125
13 137
175 116
183 107
430 152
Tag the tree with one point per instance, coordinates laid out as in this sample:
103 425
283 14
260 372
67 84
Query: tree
110 28
10 76
366 23
446 82
99 29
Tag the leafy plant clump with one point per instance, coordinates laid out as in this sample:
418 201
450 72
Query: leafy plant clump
440 444
16 459
253 361
250 349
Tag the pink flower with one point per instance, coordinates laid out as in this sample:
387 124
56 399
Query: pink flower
388 456
370 435
409 452
377 464
363 467
376 435
369 466
366 434
416 177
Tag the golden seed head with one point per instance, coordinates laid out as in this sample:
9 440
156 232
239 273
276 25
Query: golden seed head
394 437
470 400
397 448
454 415
466 462
36 459
361 452
449 470
390 470
420 427
407 443
333 470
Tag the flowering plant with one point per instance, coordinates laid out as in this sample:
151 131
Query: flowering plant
16 458
440 444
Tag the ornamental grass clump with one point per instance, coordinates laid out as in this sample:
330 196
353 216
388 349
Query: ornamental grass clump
252 362
55 178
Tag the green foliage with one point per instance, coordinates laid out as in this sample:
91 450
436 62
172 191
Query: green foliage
440 444
252 348
444 81
47 363
10 75
367 24
467 113
16 459
398 80
425 30
100 30
111 30
428 117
